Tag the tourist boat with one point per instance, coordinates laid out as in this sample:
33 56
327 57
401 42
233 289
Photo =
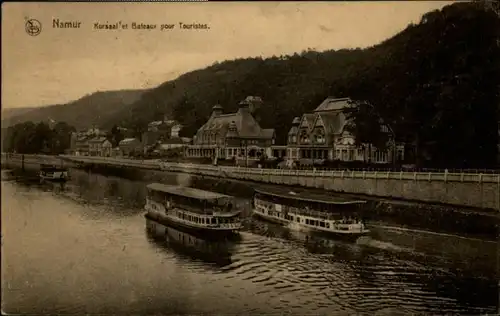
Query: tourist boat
310 212
53 173
193 209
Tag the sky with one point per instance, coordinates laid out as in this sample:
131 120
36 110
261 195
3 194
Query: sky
63 64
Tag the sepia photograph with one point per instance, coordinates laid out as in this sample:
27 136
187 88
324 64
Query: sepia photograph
250 158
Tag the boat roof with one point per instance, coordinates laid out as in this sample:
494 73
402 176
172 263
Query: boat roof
49 166
308 196
186 191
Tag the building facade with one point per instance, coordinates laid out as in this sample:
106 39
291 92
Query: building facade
322 135
100 146
130 147
232 136
81 141
159 132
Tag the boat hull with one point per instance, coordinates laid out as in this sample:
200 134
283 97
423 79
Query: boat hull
271 219
204 232
313 230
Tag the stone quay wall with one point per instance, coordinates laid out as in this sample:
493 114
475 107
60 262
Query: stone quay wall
461 189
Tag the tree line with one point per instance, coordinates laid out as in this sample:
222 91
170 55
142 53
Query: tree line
32 138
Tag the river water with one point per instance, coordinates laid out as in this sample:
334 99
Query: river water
83 247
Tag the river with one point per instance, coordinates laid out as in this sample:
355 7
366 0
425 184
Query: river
83 247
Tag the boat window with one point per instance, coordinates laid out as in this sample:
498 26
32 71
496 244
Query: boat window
327 225
322 224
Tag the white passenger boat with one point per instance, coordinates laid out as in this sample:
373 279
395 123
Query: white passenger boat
310 212
53 173
193 209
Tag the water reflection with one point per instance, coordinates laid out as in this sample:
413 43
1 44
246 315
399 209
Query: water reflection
81 248
214 252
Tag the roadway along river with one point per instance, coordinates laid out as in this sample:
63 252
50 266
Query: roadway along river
84 248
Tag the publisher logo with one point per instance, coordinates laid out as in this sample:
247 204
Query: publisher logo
33 27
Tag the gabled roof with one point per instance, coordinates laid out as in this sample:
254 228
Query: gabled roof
309 119
333 104
334 123
246 125
293 130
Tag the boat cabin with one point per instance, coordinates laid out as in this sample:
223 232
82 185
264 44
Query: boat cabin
195 199
324 207
193 205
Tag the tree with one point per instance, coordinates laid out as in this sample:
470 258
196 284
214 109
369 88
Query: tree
116 135
31 138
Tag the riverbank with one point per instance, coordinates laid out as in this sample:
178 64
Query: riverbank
443 218
458 189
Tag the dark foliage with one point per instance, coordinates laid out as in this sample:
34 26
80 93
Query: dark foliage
31 138
94 109
435 84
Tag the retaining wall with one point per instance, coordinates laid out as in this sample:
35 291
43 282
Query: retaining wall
464 189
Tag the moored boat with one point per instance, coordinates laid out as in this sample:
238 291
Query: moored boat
193 209
53 173
310 212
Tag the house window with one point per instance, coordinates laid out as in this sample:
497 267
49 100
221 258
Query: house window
320 139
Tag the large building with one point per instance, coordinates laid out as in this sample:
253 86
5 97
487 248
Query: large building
81 142
321 135
235 135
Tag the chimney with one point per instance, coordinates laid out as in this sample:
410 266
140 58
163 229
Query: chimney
244 107
217 110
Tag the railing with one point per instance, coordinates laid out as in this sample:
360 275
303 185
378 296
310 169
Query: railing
343 174
241 172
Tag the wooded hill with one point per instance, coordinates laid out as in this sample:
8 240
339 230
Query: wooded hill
97 108
436 83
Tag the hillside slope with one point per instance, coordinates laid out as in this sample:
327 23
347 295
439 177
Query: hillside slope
12 112
96 108
428 81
